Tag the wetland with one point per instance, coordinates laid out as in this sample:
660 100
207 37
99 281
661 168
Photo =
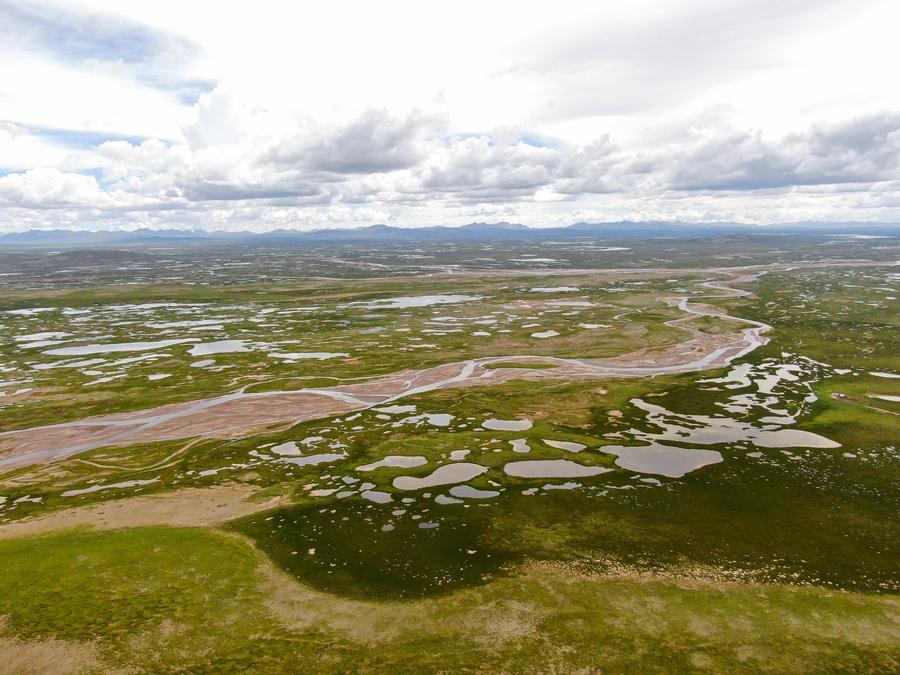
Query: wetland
522 456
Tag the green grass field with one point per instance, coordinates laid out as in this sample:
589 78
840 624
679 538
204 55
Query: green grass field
197 600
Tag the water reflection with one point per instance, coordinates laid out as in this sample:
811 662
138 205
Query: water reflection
551 468
709 430
443 475
507 425
662 460
401 461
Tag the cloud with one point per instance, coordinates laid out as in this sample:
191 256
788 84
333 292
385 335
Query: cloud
50 188
597 167
660 54
380 162
20 149
865 149
217 121
106 42
481 168
374 142
697 109
216 173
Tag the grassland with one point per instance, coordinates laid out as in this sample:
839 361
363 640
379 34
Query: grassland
775 559
191 599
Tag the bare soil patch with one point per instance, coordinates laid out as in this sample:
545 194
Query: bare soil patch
48 657
190 507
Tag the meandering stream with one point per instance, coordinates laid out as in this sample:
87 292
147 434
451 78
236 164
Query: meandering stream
701 352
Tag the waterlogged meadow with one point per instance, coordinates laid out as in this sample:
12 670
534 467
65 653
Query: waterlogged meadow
578 489
114 357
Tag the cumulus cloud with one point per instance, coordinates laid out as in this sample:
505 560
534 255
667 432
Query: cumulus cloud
865 149
217 122
375 142
481 168
50 188
384 163
597 167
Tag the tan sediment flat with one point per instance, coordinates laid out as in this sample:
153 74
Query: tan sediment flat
228 419
96 435
235 416
191 507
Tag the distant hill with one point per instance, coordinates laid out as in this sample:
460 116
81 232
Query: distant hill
473 232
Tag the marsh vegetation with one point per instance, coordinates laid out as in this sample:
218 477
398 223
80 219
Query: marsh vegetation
546 464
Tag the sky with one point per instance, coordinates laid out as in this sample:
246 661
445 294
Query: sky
266 115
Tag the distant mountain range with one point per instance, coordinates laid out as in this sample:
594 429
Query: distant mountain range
474 232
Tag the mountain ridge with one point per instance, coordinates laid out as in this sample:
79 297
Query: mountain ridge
474 232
